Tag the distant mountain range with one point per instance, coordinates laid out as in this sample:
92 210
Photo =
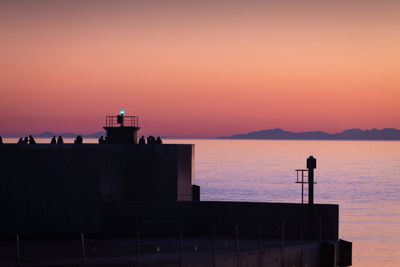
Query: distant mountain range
351 134
279 134
69 135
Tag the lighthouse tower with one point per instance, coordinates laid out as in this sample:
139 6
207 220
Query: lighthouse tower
121 129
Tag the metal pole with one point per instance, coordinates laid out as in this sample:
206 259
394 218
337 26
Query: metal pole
181 247
137 247
83 248
310 186
301 231
301 240
237 239
302 187
259 234
282 238
18 255
213 246
311 165
237 244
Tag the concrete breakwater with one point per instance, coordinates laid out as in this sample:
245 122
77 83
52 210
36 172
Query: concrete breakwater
168 252
116 190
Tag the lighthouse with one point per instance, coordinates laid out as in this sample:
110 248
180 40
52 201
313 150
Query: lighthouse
121 129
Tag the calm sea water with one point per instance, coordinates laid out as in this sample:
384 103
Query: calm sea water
363 177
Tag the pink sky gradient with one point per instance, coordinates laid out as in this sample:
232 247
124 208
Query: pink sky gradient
196 70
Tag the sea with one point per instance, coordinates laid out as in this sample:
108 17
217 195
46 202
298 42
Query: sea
363 177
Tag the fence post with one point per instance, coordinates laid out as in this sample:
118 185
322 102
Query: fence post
301 240
213 246
237 239
259 243
282 242
137 248
18 255
181 248
237 244
83 248
259 234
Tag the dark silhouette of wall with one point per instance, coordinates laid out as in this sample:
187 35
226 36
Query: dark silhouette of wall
145 172
48 189
199 217
116 190
59 189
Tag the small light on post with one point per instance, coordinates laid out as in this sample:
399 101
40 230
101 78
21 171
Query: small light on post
120 118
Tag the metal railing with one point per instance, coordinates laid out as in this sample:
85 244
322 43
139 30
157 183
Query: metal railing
137 248
302 178
127 121
301 174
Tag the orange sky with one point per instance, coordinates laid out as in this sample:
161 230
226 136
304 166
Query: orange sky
199 70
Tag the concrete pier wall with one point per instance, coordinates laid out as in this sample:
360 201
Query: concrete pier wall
116 190
41 193
59 189
307 255
124 172
125 218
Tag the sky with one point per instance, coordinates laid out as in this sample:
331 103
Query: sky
199 68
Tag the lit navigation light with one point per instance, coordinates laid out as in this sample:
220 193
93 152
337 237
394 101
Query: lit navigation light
122 112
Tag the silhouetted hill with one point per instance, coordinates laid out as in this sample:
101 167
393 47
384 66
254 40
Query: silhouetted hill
46 134
95 135
351 134
70 135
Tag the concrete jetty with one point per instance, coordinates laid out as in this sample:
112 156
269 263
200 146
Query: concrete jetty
120 190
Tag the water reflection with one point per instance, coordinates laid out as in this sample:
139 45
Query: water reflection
361 176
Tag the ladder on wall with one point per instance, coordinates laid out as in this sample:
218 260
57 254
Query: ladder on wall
300 175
